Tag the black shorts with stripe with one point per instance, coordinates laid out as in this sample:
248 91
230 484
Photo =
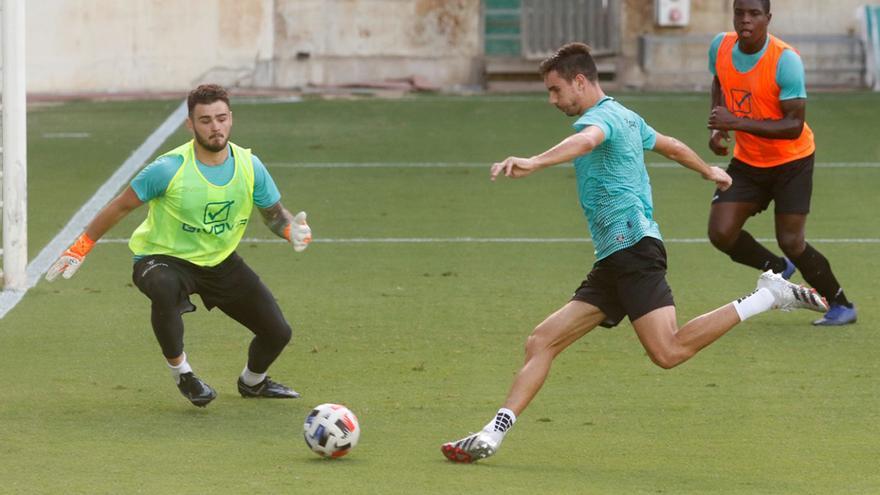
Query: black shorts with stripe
630 282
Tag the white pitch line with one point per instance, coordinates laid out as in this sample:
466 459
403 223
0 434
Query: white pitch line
66 135
818 165
540 98
625 98
267 100
486 165
38 266
380 165
505 240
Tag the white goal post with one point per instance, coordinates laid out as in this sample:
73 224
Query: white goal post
13 148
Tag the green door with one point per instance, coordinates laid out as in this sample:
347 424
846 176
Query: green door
501 28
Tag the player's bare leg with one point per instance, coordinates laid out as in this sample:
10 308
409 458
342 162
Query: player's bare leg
548 340
551 337
668 346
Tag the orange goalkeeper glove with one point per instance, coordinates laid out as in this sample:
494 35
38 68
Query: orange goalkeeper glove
68 263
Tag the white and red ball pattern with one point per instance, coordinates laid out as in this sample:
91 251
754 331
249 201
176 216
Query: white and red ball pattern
331 430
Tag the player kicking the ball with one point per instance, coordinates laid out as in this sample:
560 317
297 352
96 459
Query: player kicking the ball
629 276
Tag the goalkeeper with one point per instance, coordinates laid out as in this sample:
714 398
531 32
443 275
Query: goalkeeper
200 198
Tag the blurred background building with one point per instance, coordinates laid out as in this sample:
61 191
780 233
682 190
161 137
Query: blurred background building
151 46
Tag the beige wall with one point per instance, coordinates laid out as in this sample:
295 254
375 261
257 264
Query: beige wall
714 16
684 66
135 45
342 41
170 45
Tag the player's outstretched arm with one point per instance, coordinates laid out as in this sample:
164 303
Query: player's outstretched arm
287 226
568 149
677 151
70 260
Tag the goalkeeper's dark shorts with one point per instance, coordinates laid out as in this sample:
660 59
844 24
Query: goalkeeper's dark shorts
226 282
789 186
630 282
231 286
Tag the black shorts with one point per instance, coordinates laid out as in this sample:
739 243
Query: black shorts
630 282
217 285
789 185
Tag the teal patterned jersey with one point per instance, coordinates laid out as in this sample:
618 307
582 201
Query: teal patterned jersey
613 184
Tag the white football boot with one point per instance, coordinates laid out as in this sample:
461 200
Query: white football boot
788 296
471 448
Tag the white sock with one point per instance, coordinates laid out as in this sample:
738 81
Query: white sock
250 378
180 369
500 424
755 303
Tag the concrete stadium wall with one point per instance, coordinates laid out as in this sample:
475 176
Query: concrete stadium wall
714 16
108 46
333 42
143 45
170 45
682 62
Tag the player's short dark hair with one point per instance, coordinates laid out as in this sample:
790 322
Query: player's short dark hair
765 4
206 94
569 61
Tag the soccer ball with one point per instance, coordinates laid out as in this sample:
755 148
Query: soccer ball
331 430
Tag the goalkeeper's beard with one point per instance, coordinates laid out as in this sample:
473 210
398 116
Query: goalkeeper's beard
209 145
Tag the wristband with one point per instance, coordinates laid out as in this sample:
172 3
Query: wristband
82 245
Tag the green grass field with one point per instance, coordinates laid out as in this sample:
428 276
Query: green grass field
421 339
